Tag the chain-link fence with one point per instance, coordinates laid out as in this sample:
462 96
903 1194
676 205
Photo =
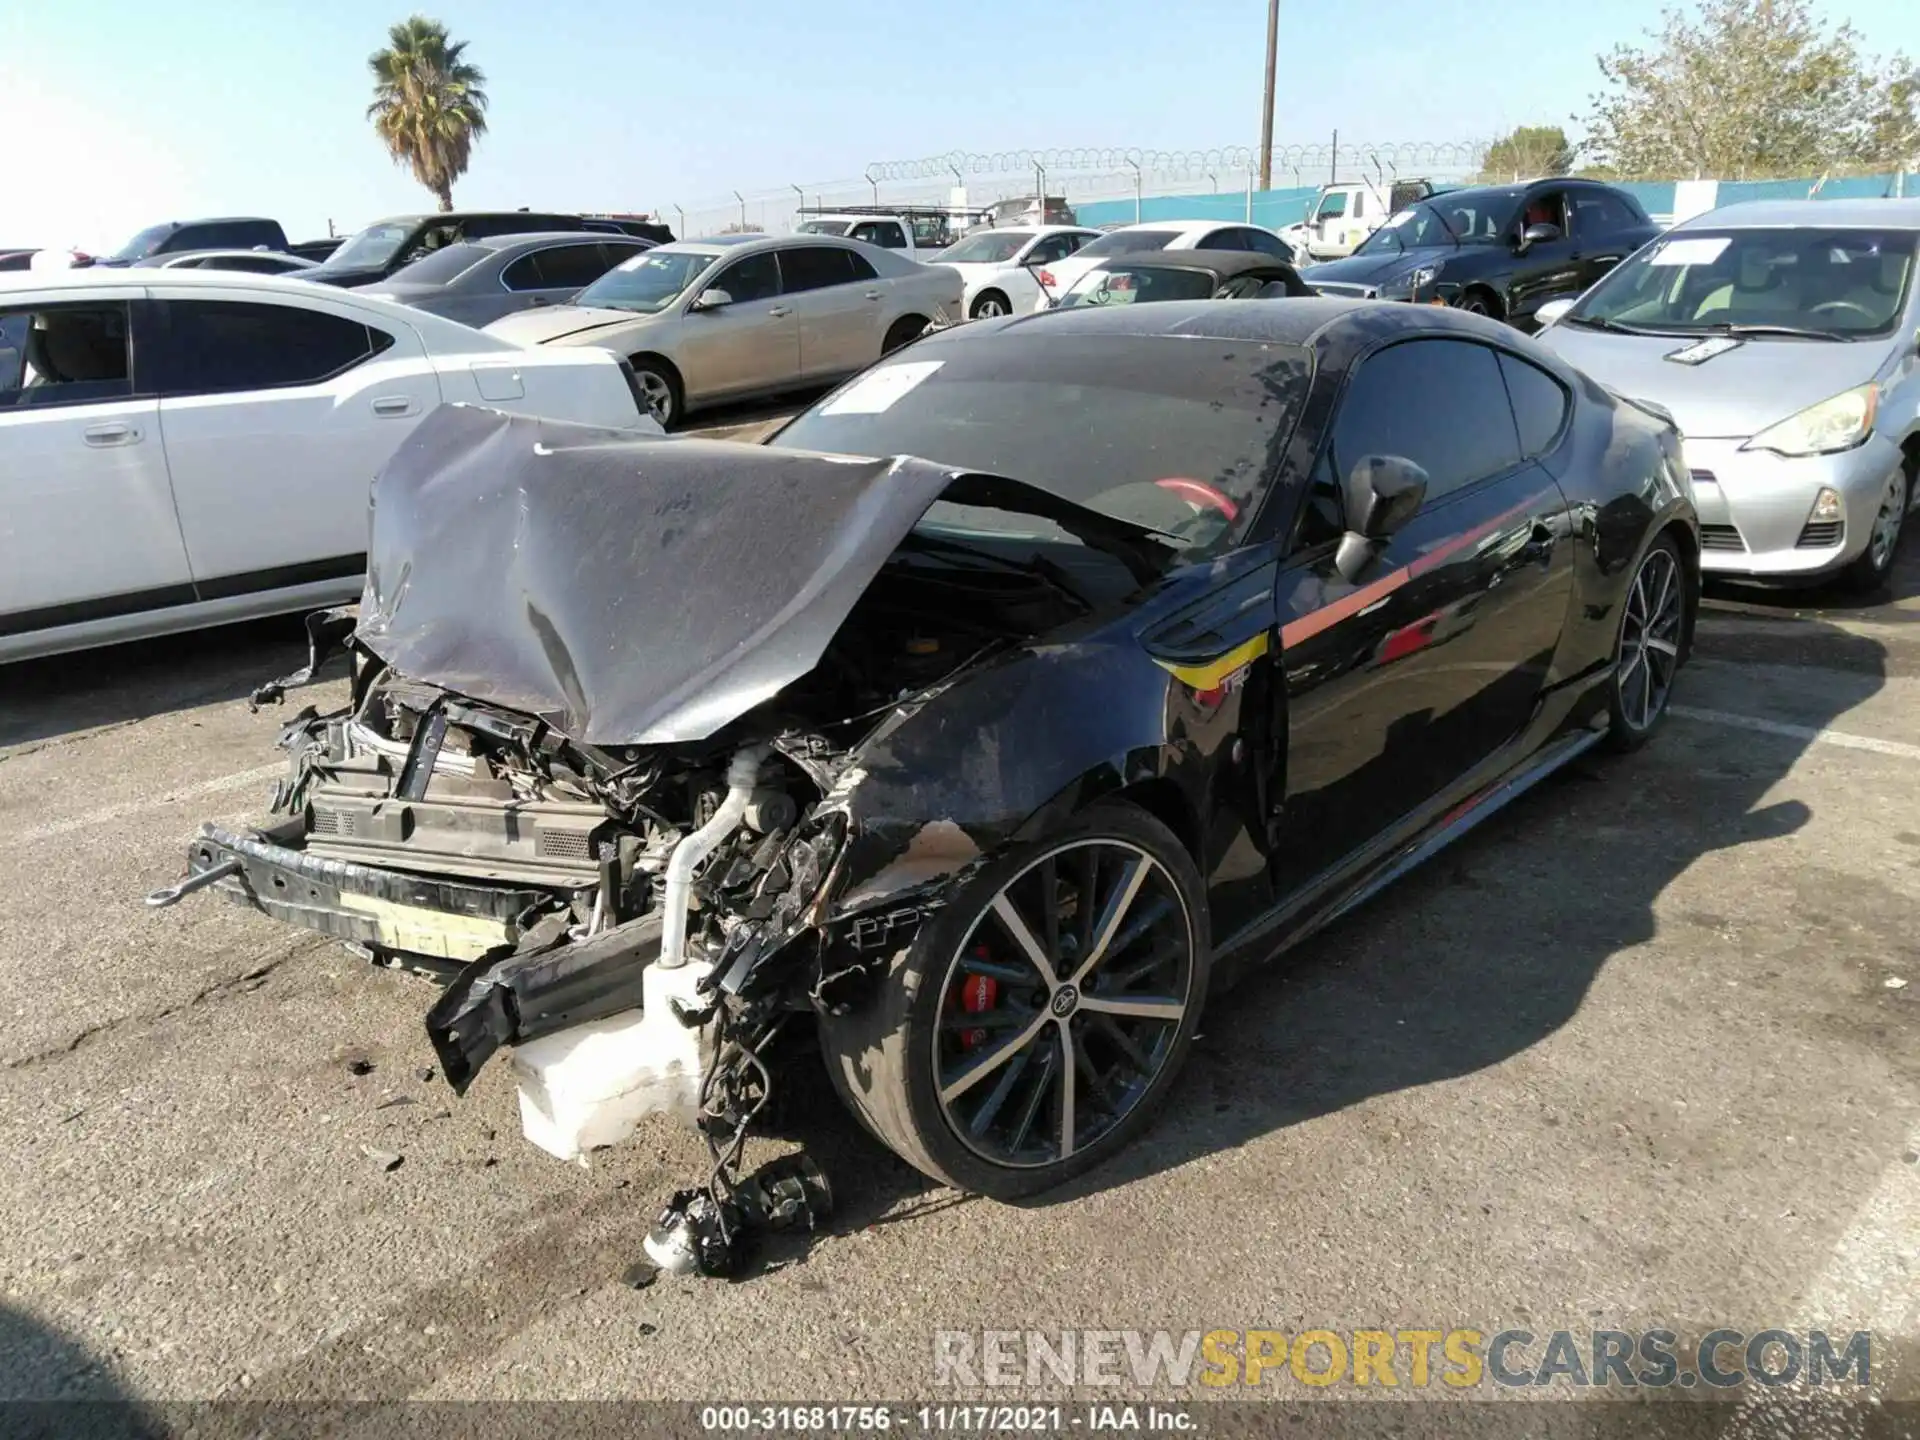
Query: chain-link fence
1119 182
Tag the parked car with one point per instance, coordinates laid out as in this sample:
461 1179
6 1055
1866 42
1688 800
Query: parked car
232 232
384 246
1341 216
641 227
1157 235
1031 210
1781 336
478 281
990 761
254 262
993 265
917 233
1183 275
316 250
704 321
1498 250
180 448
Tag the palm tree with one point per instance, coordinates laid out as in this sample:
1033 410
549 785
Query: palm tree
427 103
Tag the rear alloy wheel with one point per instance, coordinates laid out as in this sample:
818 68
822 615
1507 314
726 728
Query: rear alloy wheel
1874 564
660 389
1034 1024
1477 302
1653 628
991 306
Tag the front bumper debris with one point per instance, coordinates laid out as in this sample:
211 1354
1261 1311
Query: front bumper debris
443 919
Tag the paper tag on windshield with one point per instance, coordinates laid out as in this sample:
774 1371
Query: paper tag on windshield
1704 351
1703 251
876 392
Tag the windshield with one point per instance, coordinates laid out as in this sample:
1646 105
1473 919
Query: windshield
991 247
374 245
1830 283
1121 242
1124 284
649 282
1471 218
143 244
825 227
1136 427
441 266
1331 206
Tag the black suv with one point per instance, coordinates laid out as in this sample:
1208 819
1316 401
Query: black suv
384 246
231 232
1499 250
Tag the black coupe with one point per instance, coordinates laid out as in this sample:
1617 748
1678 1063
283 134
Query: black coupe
1499 250
1185 628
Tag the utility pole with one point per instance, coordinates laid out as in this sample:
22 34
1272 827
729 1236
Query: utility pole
1266 105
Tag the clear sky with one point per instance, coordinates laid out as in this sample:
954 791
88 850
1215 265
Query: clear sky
120 113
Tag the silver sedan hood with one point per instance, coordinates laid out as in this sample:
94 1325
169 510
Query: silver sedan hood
1732 394
557 322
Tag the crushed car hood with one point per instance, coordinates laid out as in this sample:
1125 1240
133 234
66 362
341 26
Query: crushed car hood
640 591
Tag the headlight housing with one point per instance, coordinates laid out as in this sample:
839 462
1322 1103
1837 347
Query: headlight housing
1838 423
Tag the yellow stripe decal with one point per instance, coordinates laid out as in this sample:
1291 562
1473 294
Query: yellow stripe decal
428 932
1209 675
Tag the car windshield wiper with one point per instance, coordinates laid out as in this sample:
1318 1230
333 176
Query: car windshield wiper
1600 322
1793 332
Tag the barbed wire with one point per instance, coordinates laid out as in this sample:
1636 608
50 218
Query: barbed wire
1068 160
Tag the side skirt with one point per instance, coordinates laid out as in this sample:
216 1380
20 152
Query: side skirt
1293 922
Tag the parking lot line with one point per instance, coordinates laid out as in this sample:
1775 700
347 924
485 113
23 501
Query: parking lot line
1805 733
107 814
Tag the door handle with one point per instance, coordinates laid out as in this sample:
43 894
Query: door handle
873 294
111 433
393 405
779 312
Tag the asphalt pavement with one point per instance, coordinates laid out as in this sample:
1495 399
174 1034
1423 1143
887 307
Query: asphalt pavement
1640 1053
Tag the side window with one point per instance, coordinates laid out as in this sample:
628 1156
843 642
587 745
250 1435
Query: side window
1539 404
64 355
1262 243
571 267
1438 403
859 267
1054 247
1241 287
523 274
885 233
1324 519
1601 212
220 346
1548 207
813 267
755 278
1229 239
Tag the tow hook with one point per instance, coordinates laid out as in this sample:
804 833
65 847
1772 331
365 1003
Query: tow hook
174 894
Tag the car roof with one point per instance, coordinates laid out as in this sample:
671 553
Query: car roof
1182 226
220 220
1222 263
425 215
1843 214
174 256
1295 321
551 237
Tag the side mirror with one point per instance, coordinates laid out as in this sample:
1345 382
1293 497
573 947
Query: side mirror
1538 235
1548 313
1382 493
711 300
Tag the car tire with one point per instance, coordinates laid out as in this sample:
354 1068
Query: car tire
896 1058
1873 566
903 332
1649 646
990 306
1481 302
660 383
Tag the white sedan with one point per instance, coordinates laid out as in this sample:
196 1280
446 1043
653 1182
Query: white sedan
181 448
1056 279
996 266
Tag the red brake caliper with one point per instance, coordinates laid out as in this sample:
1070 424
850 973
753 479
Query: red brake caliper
978 994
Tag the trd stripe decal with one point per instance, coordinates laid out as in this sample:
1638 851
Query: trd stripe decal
1209 675
1311 624
167 597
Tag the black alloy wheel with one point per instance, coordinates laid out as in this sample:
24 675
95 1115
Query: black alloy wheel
1648 651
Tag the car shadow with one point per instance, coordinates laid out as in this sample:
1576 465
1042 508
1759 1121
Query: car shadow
52 1387
61 695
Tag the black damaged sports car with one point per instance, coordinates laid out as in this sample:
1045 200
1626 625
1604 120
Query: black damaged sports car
1182 629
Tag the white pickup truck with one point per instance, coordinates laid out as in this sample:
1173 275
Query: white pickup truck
917 235
1343 215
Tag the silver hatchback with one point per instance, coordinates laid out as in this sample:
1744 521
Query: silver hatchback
1782 337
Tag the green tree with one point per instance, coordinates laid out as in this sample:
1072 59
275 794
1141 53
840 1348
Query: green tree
1750 87
1529 151
428 106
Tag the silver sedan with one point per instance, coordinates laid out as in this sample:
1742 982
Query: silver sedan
1781 336
705 321
479 281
